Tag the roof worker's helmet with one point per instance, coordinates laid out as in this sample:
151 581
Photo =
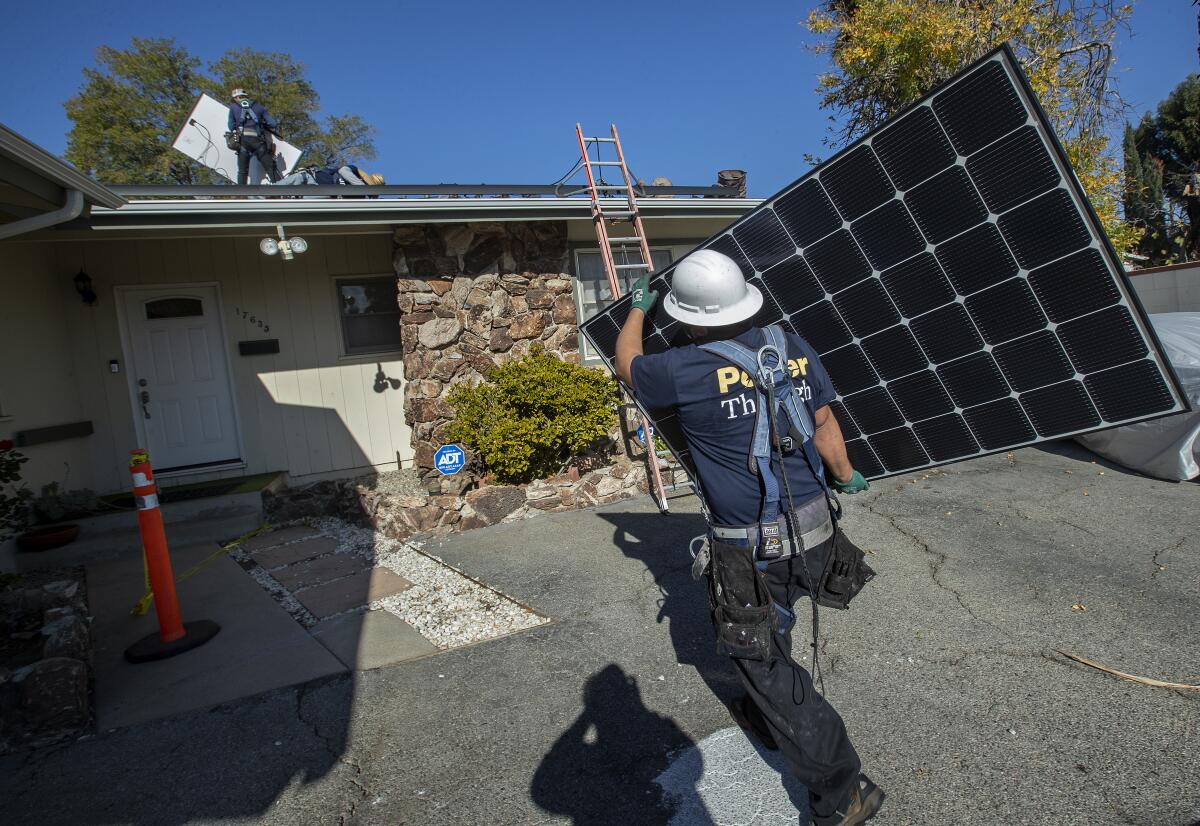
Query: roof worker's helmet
709 290
239 93
371 178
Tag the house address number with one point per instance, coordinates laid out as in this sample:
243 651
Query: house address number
253 319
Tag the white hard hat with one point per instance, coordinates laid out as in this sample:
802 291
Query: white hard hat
238 93
709 290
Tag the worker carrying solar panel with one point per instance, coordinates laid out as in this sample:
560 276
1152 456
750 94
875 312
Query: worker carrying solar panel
250 134
753 404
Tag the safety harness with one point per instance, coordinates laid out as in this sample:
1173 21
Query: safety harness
777 397
782 424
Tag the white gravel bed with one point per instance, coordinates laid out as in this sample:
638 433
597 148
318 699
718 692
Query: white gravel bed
447 608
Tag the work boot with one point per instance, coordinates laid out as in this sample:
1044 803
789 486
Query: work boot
746 714
865 800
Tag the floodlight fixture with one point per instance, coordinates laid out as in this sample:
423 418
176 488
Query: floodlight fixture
289 248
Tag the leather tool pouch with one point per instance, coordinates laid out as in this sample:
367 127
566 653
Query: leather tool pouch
233 140
743 614
845 573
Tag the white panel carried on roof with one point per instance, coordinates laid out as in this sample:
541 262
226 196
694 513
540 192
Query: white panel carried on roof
202 138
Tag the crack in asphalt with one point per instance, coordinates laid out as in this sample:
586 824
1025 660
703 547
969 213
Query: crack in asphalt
935 561
1154 559
332 748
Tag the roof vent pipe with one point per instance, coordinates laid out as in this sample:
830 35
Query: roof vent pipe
71 209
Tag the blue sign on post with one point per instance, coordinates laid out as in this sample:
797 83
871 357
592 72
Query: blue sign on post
641 433
449 459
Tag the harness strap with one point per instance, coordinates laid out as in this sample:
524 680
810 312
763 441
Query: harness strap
768 367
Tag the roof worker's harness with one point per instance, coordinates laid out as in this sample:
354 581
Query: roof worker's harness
744 614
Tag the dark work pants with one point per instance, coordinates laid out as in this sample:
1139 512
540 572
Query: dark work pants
810 733
253 146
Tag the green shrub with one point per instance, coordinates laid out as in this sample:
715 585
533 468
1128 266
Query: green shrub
533 415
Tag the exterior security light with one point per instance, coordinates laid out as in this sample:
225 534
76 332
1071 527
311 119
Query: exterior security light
83 286
289 248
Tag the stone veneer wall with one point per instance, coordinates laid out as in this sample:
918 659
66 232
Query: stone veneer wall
471 297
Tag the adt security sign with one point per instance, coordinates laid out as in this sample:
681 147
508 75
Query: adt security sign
449 459
641 434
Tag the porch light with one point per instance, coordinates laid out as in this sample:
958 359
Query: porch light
289 247
83 286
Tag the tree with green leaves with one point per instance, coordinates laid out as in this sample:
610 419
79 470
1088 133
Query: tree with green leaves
1145 205
1170 140
131 107
887 54
129 111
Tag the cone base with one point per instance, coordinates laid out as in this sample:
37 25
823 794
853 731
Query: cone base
151 647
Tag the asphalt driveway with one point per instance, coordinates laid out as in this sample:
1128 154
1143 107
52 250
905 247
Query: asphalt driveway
945 670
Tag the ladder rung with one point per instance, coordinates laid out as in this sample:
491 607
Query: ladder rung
601 140
617 213
628 239
605 163
609 187
632 266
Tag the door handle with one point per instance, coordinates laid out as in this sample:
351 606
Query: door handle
145 398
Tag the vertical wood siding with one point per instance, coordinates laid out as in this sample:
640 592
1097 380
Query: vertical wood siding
306 409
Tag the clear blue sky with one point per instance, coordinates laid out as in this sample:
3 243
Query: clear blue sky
489 92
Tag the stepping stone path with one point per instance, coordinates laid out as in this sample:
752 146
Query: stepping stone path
328 577
328 584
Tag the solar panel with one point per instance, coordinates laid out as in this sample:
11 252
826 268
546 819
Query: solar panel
954 279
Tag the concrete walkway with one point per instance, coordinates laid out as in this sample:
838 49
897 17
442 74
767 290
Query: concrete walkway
944 670
259 647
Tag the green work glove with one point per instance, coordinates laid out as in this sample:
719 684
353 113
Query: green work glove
643 296
855 484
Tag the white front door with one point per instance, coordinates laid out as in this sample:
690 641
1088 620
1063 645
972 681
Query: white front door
180 375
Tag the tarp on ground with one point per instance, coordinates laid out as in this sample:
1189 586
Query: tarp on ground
1166 448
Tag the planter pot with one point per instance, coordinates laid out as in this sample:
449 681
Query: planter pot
51 536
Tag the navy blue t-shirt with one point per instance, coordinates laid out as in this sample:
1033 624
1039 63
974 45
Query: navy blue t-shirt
716 408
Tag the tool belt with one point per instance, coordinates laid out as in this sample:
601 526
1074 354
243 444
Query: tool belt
839 565
811 519
743 614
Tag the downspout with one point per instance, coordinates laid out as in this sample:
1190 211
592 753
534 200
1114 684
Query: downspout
71 209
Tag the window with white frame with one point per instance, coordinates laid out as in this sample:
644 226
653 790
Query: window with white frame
592 293
369 314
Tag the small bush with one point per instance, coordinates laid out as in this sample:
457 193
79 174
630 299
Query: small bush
533 415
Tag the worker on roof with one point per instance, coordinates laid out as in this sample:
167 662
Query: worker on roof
250 134
753 404
349 174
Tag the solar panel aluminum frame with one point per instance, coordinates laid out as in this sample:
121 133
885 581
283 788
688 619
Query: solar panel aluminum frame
602 328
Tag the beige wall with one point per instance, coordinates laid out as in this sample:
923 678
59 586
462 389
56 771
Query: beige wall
1170 289
307 409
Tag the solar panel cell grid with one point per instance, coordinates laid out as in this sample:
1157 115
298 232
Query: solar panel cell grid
837 261
948 271
914 149
946 205
857 183
888 235
807 213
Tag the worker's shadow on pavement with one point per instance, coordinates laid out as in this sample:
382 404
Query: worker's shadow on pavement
660 542
602 769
